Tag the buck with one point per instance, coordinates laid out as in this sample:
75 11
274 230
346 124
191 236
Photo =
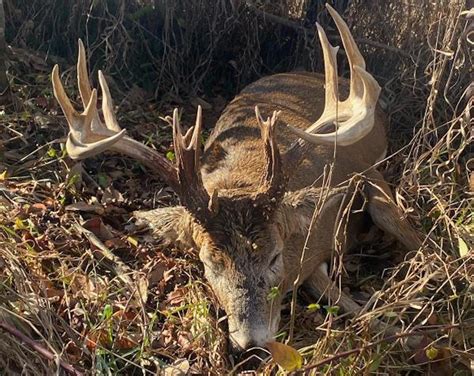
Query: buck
263 206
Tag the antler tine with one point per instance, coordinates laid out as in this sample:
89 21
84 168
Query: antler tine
354 117
108 105
192 193
331 88
83 75
61 96
330 68
82 141
354 56
272 186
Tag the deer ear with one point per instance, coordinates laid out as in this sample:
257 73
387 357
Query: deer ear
173 225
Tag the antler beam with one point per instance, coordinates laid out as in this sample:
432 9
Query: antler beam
89 136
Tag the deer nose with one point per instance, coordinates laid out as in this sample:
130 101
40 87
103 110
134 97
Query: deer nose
243 340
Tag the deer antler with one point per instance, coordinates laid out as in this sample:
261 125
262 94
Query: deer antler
89 136
192 193
354 117
273 184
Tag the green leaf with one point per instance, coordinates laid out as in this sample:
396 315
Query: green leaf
103 180
171 156
107 312
332 310
285 356
52 153
462 247
375 363
20 224
431 353
313 307
274 292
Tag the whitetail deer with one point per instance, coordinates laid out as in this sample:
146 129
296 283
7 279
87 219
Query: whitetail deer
247 202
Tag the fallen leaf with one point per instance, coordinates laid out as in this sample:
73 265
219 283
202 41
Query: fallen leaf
431 353
37 207
197 101
176 297
124 343
82 286
141 293
98 228
157 274
184 340
96 338
111 195
285 356
462 247
180 367
125 317
133 241
115 243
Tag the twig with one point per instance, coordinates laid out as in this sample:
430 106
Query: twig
312 33
39 348
120 269
391 338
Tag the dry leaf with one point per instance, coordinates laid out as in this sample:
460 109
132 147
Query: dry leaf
124 343
184 340
37 208
176 297
98 337
462 247
98 228
180 367
285 356
156 274
141 293
82 286
115 243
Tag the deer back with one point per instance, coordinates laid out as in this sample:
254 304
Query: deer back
234 157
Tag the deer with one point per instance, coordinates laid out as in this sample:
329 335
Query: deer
248 197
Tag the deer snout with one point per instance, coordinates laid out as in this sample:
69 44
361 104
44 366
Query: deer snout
244 339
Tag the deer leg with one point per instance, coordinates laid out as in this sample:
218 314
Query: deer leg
319 284
386 214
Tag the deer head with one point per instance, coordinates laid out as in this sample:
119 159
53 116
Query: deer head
244 234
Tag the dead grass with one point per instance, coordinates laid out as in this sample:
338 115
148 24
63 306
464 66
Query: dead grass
90 289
